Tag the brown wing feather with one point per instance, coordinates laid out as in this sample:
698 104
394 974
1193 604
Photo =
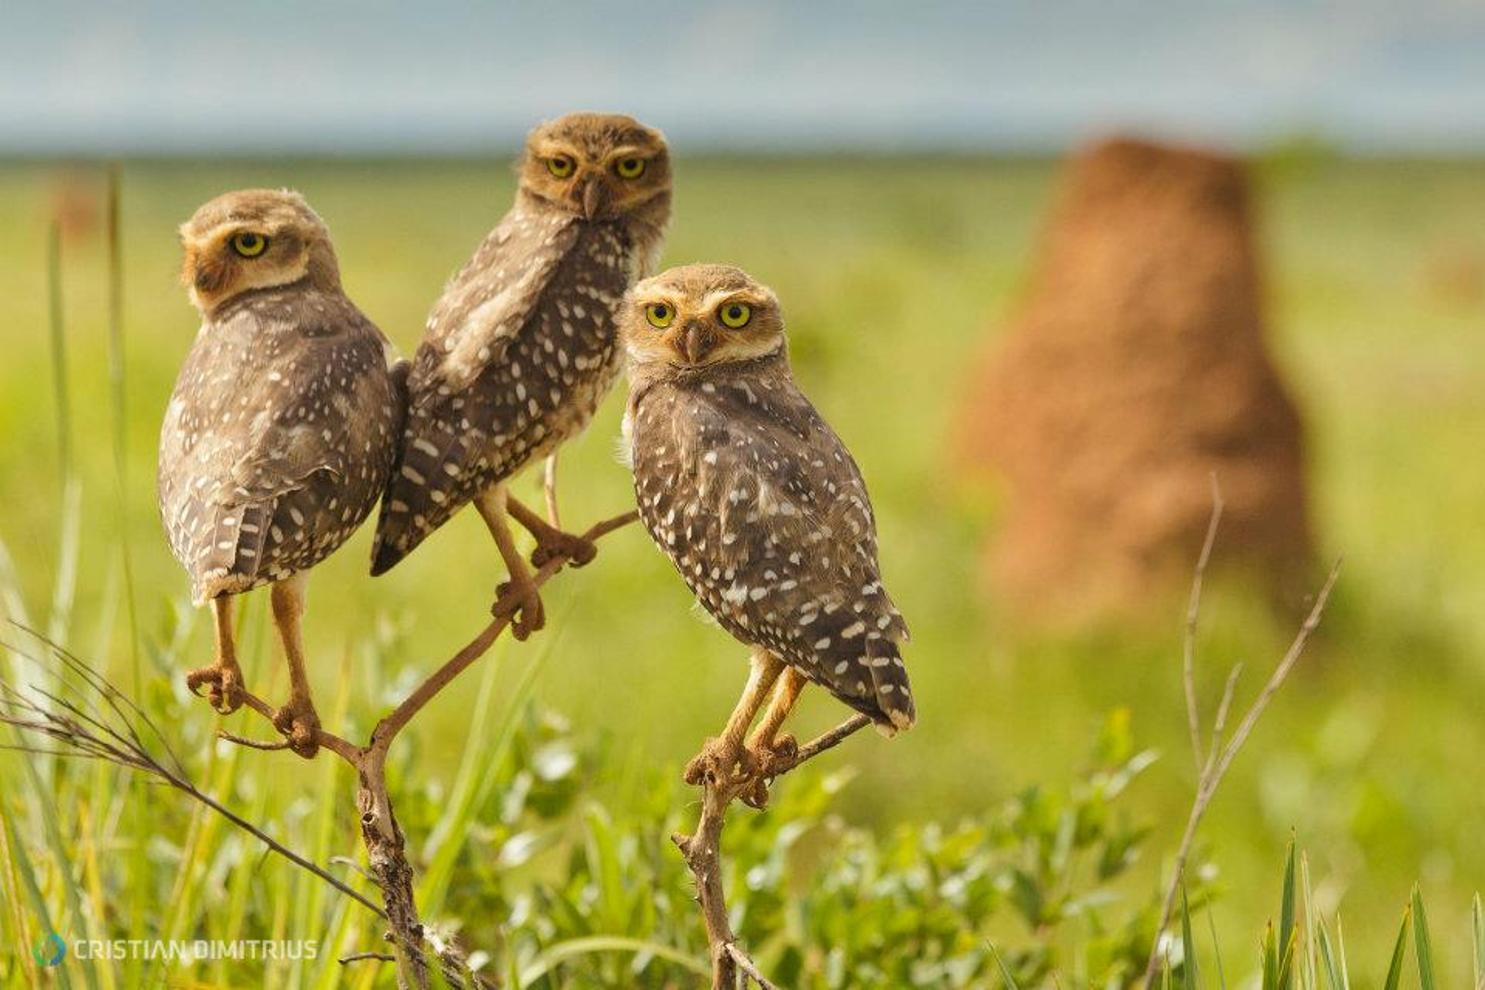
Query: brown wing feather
519 351
279 437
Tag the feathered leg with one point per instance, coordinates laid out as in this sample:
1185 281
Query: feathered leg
297 719
517 598
723 755
224 677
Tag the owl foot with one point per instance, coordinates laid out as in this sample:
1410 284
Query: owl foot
223 680
721 761
769 760
519 601
577 550
300 725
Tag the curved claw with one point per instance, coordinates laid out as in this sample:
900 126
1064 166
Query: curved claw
577 550
520 602
224 684
300 725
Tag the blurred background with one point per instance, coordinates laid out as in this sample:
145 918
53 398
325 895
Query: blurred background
1047 268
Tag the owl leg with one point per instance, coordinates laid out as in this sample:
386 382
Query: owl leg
551 542
549 489
518 598
721 757
297 719
224 677
765 742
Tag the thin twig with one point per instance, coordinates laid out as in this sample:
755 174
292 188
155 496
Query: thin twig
260 744
745 963
1193 610
702 850
1218 764
380 833
366 956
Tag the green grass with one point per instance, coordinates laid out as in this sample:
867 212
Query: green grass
894 274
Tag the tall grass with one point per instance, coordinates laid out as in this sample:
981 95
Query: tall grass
87 850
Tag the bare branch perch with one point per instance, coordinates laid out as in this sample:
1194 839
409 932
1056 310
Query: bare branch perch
118 739
703 853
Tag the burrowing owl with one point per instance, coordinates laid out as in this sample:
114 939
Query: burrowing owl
522 347
282 429
757 502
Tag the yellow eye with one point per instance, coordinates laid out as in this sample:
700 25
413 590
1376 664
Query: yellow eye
660 315
630 168
735 315
561 166
249 244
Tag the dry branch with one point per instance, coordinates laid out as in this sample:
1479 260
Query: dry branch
81 733
702 850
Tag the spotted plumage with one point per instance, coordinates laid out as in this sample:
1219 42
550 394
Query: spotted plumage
281 431
278 439
751 494
522 347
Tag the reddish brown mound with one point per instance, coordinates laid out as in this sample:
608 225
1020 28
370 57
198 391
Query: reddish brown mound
1136 369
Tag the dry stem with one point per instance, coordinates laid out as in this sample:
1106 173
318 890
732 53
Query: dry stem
702 852
88 734
1212 767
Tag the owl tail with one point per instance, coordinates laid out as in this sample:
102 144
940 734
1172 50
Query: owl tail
229 562
896 711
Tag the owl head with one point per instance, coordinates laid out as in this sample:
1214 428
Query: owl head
697 316
599 166
255 239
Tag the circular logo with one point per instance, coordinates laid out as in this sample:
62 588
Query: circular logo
50 950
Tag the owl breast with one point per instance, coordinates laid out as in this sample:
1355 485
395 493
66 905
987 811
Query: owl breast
764 514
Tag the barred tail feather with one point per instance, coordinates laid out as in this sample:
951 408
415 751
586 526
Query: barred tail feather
894 696
230 561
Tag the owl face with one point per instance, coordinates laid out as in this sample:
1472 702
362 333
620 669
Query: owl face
696 316
599 166
254 239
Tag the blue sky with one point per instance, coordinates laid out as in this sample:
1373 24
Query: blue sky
438 75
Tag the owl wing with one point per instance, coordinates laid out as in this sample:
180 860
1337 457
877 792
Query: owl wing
487 303
766 515
279 437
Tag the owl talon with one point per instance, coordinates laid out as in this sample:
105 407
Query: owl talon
300 725
223 681
576 550
720 762
520 602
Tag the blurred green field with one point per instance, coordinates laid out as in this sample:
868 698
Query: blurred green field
894 274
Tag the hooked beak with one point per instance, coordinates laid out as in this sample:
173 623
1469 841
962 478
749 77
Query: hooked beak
697 342
595 198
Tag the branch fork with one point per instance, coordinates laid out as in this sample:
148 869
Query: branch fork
380 833
702 849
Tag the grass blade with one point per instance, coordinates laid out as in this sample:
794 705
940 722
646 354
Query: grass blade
1422 944
1399 950
1005 971
1216 951
1188 945
1328 959
1477 929
1286 920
